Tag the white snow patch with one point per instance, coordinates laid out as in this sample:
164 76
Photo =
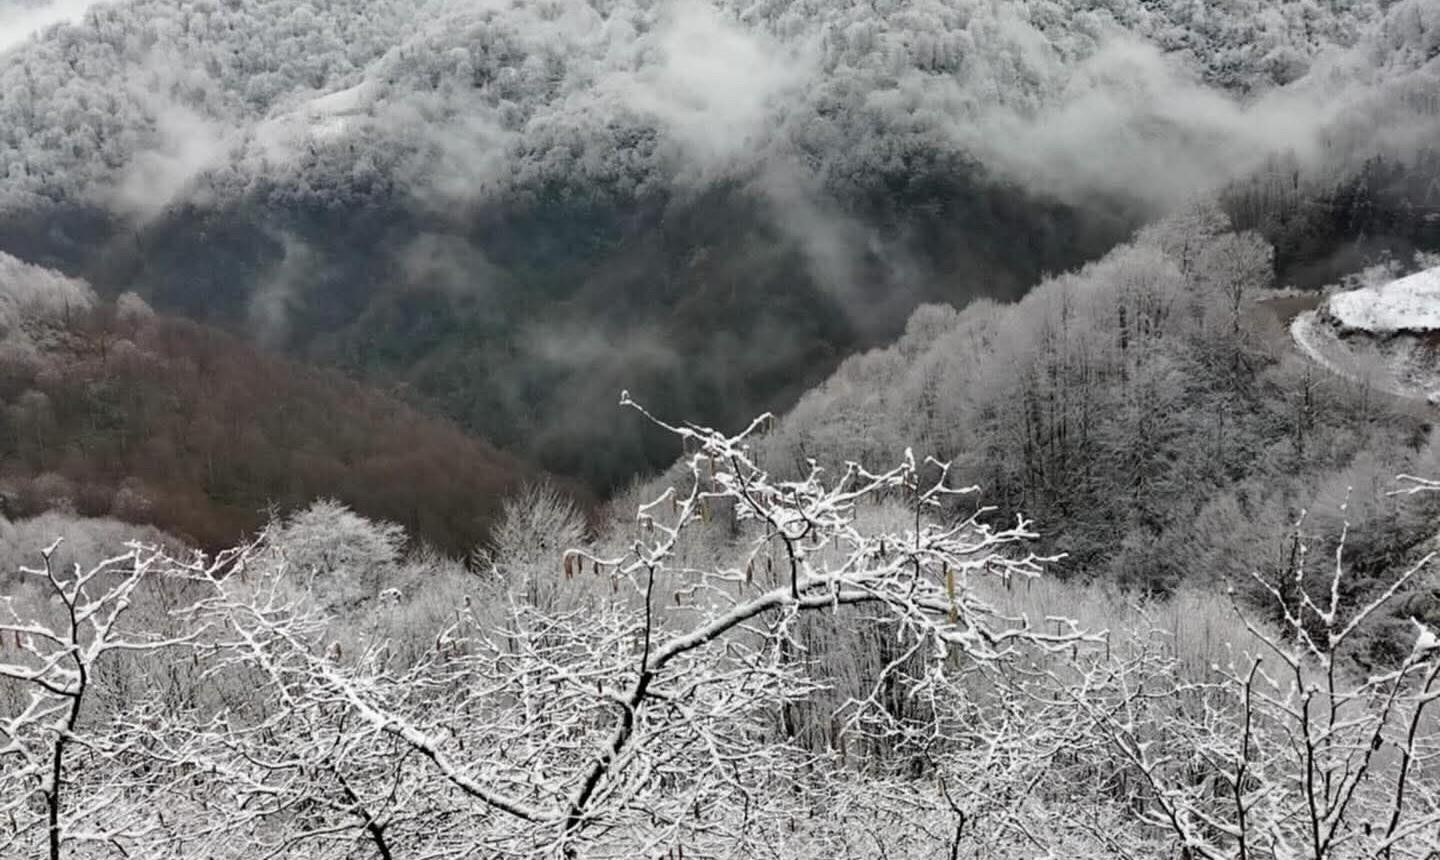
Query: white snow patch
353 100
321 119
1410 304
329 116
329 128
1386 336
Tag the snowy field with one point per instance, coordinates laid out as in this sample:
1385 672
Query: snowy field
1410 304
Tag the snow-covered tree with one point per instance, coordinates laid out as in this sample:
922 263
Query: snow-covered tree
831 665
73 783
341 555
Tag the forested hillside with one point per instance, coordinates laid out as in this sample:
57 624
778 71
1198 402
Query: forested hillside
1152 415
966 495
1149 411
516 209
113 411
856 664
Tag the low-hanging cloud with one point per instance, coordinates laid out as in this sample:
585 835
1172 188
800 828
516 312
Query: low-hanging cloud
449 264
187 144
275 299
832 244
1133 124
21 20
715 87
721 90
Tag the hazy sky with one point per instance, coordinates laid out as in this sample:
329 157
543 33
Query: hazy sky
19 20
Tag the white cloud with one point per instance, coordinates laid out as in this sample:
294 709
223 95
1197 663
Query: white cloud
19 21
275 298
188 144
716 87
1133 123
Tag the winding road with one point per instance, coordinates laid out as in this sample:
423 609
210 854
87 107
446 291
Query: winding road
1299 317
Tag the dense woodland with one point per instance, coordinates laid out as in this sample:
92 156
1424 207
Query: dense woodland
1126 404
510 211
1010 522
562 72
1214 639
114 411
847 665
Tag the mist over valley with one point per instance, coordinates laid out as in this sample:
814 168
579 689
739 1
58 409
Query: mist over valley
779 428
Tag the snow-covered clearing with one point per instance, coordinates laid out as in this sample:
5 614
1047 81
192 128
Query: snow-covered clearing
1380 336
1410 304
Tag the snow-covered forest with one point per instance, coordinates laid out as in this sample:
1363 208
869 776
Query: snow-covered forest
851 664
577 191
700 428
627 95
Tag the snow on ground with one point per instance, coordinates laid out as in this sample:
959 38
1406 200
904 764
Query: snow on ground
1400 360
352 100
1411 304
1385 336
330 116
323 118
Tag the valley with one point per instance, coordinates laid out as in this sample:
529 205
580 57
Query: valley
704 428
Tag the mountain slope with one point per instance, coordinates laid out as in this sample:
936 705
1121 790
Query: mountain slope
111 410
515 210
1148 412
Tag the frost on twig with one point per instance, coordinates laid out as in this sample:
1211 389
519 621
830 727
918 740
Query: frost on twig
811 665
658 711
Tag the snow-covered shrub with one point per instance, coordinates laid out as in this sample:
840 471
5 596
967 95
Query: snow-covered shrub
342 557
